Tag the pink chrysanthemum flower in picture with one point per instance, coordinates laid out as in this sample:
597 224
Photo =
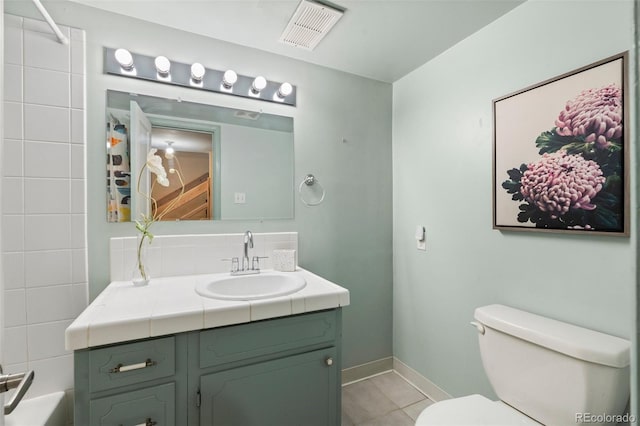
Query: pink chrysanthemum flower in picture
559 182
595 114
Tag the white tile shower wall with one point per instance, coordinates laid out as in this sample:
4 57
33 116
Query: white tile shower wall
195 254
44 212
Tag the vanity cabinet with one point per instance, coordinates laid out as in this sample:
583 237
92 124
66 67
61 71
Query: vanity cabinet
136 383
283 371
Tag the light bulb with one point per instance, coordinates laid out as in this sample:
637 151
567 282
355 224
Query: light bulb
197 72
169 151
259 83
285 90
124 58
163 65
229 79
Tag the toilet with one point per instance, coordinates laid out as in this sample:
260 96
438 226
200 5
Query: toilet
544 372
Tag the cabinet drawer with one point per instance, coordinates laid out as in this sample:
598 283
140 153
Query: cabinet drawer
243 342
150 406
131 363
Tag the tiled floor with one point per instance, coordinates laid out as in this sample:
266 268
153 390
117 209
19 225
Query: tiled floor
383 400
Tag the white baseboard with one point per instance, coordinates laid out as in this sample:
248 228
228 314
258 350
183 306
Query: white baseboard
373 368
423 384
362 371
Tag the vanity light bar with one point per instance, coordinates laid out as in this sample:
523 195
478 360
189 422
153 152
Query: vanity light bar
196 76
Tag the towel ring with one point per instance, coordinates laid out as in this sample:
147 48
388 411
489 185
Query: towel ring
310 180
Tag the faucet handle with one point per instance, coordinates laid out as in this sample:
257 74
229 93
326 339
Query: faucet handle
255 262
235 263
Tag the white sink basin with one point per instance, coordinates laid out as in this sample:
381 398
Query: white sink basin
252 287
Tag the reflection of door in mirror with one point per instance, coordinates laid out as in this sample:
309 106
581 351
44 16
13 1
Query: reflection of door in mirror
140 143
193 156
130 135
250 159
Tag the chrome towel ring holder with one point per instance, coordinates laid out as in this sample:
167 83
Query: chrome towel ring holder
310 180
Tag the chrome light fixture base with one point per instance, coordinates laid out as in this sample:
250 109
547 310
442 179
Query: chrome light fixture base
144 67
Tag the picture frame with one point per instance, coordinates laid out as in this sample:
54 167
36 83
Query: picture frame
561 153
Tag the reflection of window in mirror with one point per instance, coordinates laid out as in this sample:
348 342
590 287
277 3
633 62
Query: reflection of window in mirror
193 156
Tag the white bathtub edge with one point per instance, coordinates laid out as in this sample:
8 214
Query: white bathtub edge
45 410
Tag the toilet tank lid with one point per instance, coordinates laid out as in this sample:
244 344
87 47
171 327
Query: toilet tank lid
571 340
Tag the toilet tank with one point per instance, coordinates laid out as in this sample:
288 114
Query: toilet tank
554 372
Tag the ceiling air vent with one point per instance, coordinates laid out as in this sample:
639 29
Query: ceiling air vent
247 115
309 24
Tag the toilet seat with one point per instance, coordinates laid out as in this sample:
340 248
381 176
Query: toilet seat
472 410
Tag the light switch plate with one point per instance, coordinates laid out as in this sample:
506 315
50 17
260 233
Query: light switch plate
239 198
422 245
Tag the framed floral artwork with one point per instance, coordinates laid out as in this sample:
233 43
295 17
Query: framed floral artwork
560 153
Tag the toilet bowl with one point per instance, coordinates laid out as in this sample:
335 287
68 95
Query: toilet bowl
544 371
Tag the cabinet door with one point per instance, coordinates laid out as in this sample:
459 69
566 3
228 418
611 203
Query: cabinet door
154 406
300 390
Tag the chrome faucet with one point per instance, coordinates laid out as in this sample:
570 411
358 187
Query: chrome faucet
246 267
248 243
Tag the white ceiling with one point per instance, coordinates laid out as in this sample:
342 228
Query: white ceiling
379 39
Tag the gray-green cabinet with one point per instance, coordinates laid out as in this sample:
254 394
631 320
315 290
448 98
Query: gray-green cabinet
287 391
283 371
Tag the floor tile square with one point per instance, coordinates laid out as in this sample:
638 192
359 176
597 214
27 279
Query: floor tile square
364 401
397 389
414 410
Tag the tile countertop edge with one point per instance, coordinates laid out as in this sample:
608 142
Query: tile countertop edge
318 294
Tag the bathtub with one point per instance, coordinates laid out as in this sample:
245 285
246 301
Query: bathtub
45 410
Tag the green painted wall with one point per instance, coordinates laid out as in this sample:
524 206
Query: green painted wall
442 179
347 239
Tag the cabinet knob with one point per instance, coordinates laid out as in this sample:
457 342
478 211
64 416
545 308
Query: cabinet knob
329 361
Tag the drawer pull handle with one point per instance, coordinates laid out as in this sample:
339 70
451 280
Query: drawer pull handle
329 361
123 368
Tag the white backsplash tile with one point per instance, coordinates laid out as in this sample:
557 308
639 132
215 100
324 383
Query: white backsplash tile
46 286
77 126
172 255
78 200
77 55
42 50
12 233
46 123
13 265
46 196
47 160
47 268
77 161
78 234
13 120
15 308
46 87
77 90
15 345
12 40
80 296
12 83
79 267
45 304
53 374
12 158
13 195
46 340
47 232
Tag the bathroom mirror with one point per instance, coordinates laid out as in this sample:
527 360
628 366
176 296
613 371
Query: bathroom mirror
235 164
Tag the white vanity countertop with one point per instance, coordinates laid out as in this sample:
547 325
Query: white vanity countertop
170 305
